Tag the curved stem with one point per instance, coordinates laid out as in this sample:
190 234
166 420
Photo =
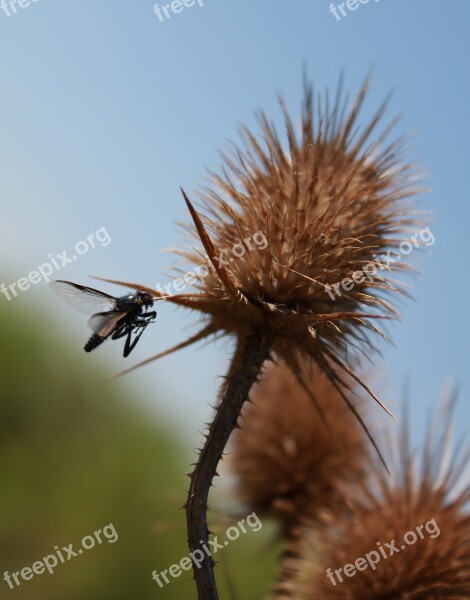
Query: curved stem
244 371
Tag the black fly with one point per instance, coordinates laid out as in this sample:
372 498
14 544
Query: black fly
111 317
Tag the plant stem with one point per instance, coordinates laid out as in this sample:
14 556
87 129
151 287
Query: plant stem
244 371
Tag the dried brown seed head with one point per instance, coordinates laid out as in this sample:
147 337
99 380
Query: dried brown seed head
325 206
423 509
286 222
292 459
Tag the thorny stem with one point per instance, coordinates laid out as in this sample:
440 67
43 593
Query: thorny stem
243 373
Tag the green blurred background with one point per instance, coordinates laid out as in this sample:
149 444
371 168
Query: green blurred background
77 453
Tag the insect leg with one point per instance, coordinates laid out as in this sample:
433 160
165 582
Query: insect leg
128 347
146 319
120 332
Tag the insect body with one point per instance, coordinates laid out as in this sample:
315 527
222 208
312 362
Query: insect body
111 317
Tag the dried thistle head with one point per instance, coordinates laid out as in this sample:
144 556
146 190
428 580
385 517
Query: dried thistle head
326 203
325 207
285 222
292 459
423 509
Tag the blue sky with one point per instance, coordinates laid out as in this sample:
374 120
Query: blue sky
106 111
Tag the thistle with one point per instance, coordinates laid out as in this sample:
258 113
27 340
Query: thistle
414 527
292 459
327 203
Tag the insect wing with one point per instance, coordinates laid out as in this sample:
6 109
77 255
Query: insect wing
105 323
85 299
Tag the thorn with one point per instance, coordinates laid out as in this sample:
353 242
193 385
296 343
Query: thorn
210 250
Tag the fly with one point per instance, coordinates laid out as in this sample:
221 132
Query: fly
123 317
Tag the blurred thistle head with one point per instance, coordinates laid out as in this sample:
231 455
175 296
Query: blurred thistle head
292 459
414 528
